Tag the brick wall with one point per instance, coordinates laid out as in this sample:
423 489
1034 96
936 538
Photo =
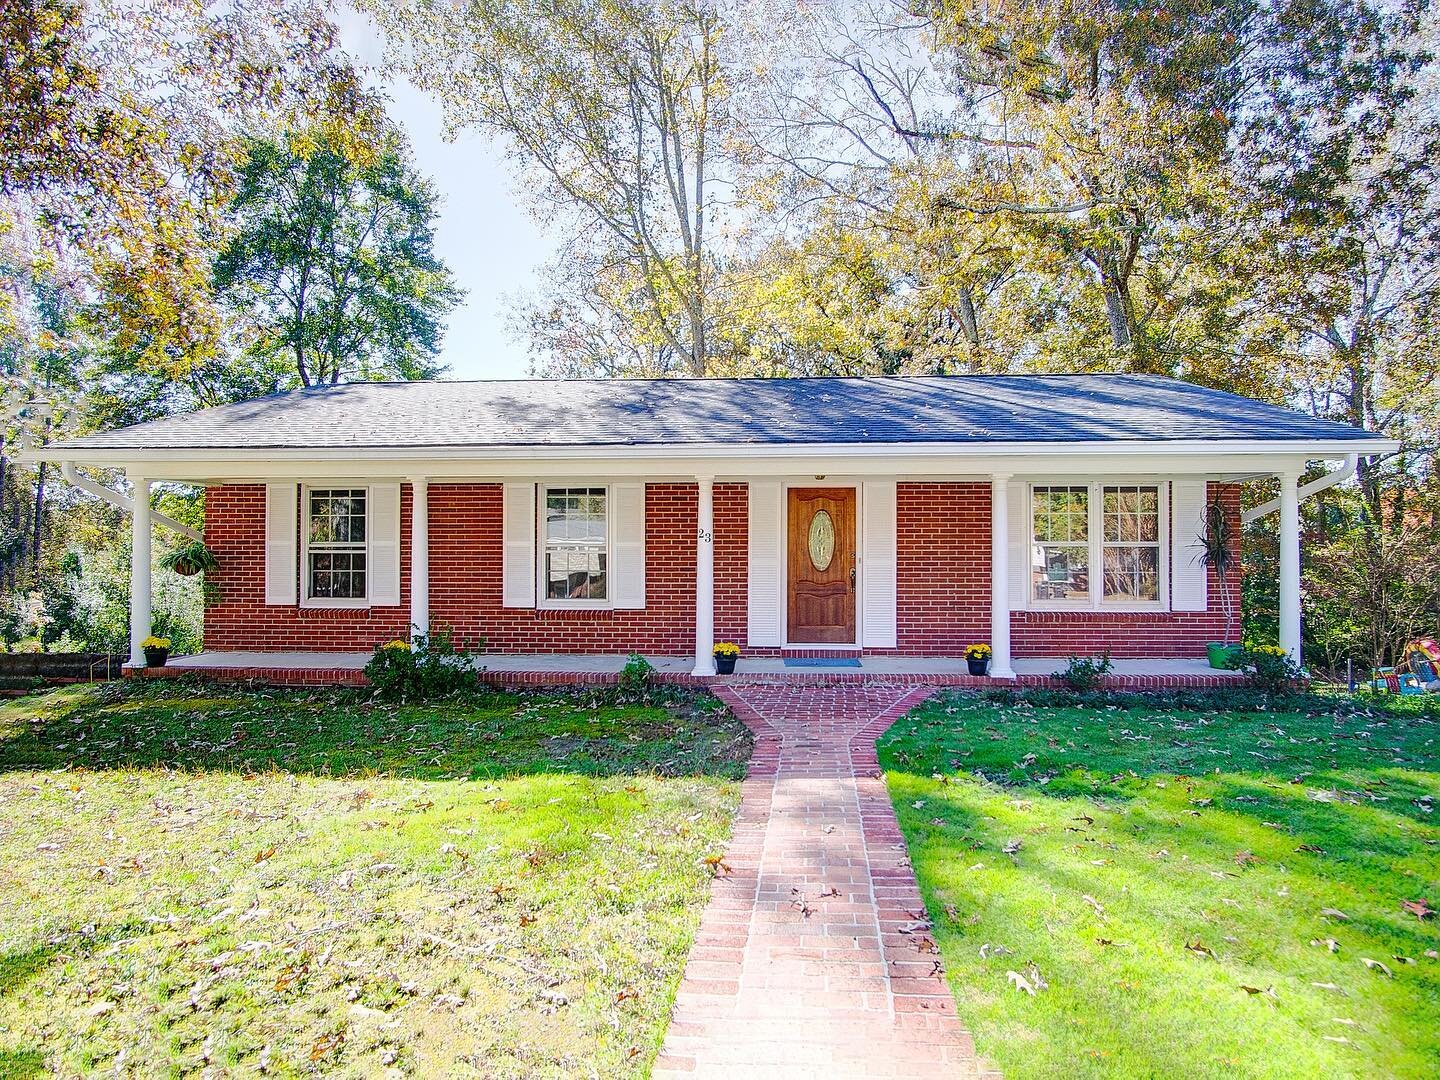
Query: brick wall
942 567
943 533
465 586
1180 633
240 619
943 570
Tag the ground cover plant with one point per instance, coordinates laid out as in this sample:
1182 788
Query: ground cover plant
1137 887
287 882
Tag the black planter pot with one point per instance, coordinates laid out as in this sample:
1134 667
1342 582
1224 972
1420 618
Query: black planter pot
156 657
977 667
725 665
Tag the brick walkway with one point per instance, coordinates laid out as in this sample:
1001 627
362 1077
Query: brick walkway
813 957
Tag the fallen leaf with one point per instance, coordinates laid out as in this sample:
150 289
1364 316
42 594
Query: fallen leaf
1246 858
1200 950
326 1045
1333 913
1020 982
1012 847
263 854
1419 908
1376 965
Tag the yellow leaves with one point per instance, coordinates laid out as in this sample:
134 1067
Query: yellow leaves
717 865
326 1045
264 854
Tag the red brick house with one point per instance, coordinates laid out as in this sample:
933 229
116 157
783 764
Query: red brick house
1047 515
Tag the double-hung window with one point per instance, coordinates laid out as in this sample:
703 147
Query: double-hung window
575 523
335 546
1097 545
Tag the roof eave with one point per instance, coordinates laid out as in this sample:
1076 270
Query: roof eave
1310 447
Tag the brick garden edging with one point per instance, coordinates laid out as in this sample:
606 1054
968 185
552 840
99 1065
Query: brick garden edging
291 676
813 956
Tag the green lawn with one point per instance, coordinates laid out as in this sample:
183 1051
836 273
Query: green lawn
1201 892
288 882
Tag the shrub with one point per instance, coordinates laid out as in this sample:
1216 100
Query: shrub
1270 668
1083 673
635 676
429 667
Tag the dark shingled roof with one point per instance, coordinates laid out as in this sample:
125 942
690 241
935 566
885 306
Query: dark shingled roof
975 409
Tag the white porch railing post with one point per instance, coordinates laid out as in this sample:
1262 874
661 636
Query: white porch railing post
705 578
140 596
1290 565
419 556
1000 577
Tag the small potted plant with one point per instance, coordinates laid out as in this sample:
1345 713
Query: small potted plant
726 653
157 650
977 659
190 559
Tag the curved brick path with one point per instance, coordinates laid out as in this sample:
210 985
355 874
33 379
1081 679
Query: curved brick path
813 956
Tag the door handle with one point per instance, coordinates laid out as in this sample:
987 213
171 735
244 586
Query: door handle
852 577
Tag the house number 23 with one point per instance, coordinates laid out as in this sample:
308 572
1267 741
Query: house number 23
706 536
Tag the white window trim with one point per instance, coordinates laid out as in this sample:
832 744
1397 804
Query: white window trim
543 602
1096 528
306 600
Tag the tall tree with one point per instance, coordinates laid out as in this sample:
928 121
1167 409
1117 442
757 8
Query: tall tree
331 267
614 112
118 137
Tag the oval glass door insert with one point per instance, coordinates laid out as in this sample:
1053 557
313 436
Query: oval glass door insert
822 540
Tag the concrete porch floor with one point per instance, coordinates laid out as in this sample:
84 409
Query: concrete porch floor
561 668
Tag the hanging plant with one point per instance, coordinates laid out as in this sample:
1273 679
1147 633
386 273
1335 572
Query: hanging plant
190 559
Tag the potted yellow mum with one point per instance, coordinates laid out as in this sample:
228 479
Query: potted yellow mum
726 653
977 659
157 650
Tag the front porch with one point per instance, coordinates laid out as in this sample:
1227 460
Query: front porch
561 669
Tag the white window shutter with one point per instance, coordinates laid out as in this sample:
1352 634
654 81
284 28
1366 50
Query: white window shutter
627 546
1019 541
518 569
763 589
878 564
383 528
1189 576
281 517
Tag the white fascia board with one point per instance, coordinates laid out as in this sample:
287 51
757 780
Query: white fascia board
259 468
1312 448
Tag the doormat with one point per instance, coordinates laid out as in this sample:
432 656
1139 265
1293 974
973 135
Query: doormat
822 661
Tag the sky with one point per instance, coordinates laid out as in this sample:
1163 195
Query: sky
490 244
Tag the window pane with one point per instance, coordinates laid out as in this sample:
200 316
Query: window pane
575 536
1132 573
1061 572
1132 514
1062 514
574 573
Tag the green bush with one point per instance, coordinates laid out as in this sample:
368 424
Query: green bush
1270 668
429 667
1083 673
635 676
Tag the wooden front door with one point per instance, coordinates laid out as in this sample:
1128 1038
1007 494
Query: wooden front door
821 561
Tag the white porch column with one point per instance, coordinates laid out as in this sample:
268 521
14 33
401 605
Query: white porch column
140 612
419 556
1290 565
705 578
1000 576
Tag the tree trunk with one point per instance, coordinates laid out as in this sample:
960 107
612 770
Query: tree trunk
39 523
965 312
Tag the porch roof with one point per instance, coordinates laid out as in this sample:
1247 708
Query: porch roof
974 413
